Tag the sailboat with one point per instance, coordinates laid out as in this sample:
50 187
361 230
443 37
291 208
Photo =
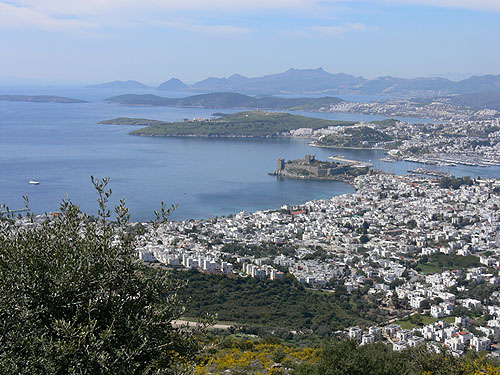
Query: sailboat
33 181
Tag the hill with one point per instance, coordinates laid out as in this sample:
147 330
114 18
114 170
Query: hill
281 304
357 137
242 124
130 84
39 99
320 81
173 84
227 100
489 100
293 80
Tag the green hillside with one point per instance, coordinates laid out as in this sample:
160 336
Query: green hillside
242 124
283 304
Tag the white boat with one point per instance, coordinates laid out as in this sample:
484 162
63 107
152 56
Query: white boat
34 182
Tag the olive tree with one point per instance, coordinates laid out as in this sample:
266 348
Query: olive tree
75 299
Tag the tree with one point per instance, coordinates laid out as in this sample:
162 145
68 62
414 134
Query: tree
74 299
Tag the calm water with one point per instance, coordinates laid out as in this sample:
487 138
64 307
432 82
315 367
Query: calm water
61 145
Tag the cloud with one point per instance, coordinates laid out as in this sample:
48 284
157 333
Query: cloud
12 16
106 7
483 5
189 25
338 29
333 30
65 14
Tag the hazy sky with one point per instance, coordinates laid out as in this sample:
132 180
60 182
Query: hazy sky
153 40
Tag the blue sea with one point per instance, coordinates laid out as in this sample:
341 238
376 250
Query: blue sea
62 145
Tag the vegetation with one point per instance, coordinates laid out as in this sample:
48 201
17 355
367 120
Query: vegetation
346 357
418 320
227 100
233 355
455 182
439 262
284 304
242 124
39 99
253 356
388 123
74 299
359 136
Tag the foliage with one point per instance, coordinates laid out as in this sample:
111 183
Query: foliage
388 123
74 299
439 261
359 136
347 358
455 182
256 357
241 124
275 304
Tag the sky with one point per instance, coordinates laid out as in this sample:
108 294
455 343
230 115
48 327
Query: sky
90 41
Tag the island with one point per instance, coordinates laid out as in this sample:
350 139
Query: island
228 100
248 124
310 168
39 99
130 84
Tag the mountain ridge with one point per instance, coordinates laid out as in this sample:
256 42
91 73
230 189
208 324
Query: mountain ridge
319 81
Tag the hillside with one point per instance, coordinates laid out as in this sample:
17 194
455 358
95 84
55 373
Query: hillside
242 124
489 100
358 137
226 100
39 99
283 304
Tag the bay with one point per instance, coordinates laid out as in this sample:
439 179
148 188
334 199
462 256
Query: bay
61 145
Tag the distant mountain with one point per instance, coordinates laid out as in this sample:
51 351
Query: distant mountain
121 85
402 86
295 81
39 99
226 100
489 100
173 84
291 81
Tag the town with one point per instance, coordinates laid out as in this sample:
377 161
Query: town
422 249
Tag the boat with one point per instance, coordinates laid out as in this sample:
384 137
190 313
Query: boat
33 181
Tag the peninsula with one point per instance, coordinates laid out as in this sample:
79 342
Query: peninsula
228 100
242 124
310 168
39 99
359 136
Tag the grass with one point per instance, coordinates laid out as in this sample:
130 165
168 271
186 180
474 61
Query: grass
439 262
406 323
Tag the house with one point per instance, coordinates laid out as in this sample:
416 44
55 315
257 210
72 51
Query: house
399 346
480 343
355 333
367 339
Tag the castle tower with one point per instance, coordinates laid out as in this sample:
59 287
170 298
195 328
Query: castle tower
281 164
309 159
